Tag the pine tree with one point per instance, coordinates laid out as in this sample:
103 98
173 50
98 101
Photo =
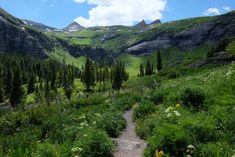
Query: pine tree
149 70
141 74
47 92
117 80
17 91
1 91
31 84
89 75
159 61
8 81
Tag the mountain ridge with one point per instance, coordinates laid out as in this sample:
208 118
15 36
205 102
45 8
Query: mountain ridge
112 41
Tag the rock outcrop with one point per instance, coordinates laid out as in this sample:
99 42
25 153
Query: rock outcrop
219 59
16 37
211 32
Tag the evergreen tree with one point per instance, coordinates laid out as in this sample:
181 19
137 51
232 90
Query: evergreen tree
149 70
89 76
141 73
1 91
117 80
159 61
47 92
17 91
31 84
8 81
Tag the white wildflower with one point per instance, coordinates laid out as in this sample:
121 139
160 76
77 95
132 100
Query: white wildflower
177 113
169 109
169 115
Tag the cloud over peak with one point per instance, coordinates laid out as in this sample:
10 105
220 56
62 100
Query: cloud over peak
211 11
121 12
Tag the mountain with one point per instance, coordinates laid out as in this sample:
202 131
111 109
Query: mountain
111 42
74 26
156 22
17 37
39 26
141 25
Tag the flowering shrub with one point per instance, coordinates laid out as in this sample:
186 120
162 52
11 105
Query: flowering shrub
113 124
171 138
93 143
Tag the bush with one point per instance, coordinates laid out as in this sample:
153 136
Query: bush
124 102
143 110
93 143
157 98
46 150
171 138
202 127
192 98
113 124
214 149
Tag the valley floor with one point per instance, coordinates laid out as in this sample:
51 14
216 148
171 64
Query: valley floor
129 144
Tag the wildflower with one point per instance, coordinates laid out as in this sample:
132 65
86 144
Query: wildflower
97 114
169 115
177 113
169 109
75 149
178 106
159 153
190 150
135 106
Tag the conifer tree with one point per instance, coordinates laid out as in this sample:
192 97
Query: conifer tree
117 80
159 61
31 86
1 91
8 81
141 73
17 91
47 92
149 70
89 76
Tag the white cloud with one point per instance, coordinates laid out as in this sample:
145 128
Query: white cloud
227 8
121 12
211 11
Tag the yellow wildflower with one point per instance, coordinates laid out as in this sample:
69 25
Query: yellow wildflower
178 106
159 153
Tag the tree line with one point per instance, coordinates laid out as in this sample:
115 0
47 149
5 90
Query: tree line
148 70
22 75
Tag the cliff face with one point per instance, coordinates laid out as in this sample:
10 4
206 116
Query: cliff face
15 37
210 32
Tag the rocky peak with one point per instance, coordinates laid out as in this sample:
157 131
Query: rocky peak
74 26
141 24
156 22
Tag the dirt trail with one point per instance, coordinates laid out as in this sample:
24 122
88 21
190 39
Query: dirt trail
129 144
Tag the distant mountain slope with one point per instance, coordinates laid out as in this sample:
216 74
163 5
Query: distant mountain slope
15 36
39 26
184 35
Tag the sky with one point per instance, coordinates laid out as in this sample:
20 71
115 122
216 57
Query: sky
59 13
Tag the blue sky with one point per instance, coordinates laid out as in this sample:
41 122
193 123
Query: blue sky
59 13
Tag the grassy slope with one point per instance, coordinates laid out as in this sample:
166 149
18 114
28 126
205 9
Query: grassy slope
171 57
61 56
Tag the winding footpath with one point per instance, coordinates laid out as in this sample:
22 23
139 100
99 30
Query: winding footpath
128 143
